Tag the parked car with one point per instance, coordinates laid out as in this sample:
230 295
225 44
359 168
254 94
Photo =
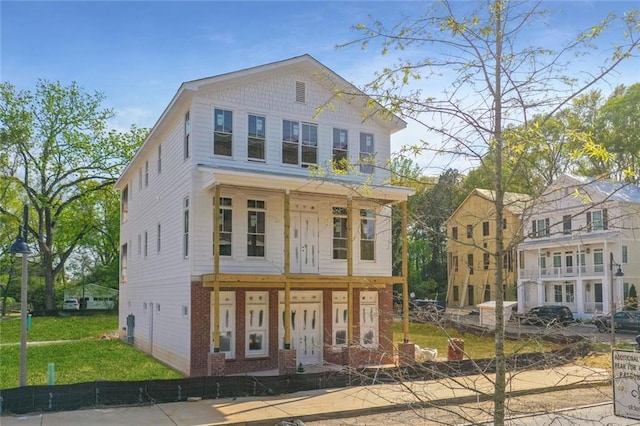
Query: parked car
624 320
547 315
71 304
421 309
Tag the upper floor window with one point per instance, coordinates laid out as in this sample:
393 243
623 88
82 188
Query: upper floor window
146 243
256 227
159 159
146 173
123 262
340 149
256 138
159 239
625 254
598 260
225 226
540 227
485 228
340 239
470 263
485 260
222 132
454 232
367 235
597 220
504 223
185 236
299 143
140 178
367 157
186 148
454 263
566 224
469 231
124 203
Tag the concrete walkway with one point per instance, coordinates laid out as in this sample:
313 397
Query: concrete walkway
318 404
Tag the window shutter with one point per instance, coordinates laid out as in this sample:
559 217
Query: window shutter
300 92
605 219
547 230
588 221
533 228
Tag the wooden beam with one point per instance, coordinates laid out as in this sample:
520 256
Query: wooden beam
216 270
350 241
287 270
297 279
405 273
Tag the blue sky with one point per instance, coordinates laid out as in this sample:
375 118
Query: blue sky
138 52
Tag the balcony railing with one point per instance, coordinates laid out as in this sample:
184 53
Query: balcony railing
562 271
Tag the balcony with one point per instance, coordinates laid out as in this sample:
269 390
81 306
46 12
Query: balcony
593 270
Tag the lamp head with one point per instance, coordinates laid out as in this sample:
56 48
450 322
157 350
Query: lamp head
19 246
619 272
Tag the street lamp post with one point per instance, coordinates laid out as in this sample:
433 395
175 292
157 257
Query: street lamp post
20 247
619 273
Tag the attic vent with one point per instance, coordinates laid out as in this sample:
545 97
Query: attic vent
300 92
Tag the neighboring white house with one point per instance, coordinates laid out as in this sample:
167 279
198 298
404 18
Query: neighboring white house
233 219
580 232
93 296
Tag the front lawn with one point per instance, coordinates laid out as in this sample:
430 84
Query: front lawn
59 328
431 335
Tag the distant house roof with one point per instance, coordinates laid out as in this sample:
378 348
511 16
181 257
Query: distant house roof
514 202
616 191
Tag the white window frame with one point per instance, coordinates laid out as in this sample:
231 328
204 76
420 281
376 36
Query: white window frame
159 159
340 149
185 225
256 323
258 137
123 263
340 218
303 138
124 203
367 220
222 129
186 147
226 207
146 173
367 152
227 322
369 315
339 319
257 208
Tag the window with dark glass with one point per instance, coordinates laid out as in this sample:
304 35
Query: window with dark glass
256 228
225 226
186 148
469 231
367 235
340 149
485 229
454 232
340 239
256 137
223 132
470 263
367 157
566 224
485 261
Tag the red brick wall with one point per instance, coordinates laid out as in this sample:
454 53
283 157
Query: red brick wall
200 331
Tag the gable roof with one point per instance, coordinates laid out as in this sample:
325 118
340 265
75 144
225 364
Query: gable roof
595 190
306 62
514 202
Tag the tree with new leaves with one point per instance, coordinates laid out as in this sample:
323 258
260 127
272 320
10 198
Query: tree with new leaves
501 81
60 155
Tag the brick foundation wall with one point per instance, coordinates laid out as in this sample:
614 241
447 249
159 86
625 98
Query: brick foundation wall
200 329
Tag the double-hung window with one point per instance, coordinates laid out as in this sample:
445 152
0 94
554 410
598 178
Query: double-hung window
367 235
367 156
185 220
598 260
256 238
186 148
223 132
597 220
540 227
225 226
485 229
566 224
454 232
340 238
299 143
340 149
256 138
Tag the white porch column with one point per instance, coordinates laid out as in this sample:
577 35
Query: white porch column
579 296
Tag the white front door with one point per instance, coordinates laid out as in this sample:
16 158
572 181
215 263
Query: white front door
306 338
304 243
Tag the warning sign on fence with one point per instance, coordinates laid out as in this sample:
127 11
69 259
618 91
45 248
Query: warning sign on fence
626 384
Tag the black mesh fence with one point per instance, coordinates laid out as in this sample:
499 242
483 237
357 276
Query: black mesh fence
29 399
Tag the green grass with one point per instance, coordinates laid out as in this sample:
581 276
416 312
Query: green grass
59 328
477 347
85 358
81 361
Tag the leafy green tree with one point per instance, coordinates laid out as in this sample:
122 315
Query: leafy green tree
57 137
497 80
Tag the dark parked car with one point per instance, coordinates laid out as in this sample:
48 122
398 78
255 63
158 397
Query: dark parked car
624 320
547 315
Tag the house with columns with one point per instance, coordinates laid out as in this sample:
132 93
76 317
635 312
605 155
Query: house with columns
581 235
256 226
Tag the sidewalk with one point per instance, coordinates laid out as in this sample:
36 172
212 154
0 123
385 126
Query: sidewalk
318 404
